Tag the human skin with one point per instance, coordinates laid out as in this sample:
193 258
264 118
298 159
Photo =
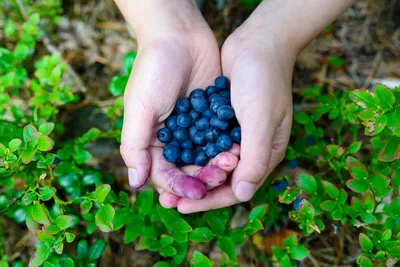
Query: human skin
178 53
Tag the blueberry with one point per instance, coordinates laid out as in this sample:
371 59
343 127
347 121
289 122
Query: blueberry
172 153
225 113
208 113
195 115
188 156
211 90
197 93
198 138
164 135
200 104
203 123
211 135
171 123
184 120
215 122
201 158
181 135
279 186
293 164
311 140
221 82
296 203
224 142
182 105
214 97
217 103
56 160
236 135
174 143
225 94
211 150
187 145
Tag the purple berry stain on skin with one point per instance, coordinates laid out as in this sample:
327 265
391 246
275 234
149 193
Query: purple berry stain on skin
211 175
188 186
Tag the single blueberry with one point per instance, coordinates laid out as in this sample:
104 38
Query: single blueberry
208 113
188 156
56 160
174 143
293 164
224 142
296 203
214 97
212 150
221 82
236 135
200 104
216 104
198 138
311 140
211 90
203 123
164 135
201 158
215 122
181 134
195 115
182 105
171 153
225 112
171 122
279 186
187 145
225 94
184 120
211 135
197 93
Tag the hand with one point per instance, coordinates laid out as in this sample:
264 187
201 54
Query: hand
175 56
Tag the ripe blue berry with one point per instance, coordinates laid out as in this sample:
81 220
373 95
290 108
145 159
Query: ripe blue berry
217 103
280 185
203 123
174 143
164 135
198 138
188 156
201 158
221 82
215 122
194 115
296 203
172 153
197 93
56 160
187 145
225 113
224 142
211 135
214 97
311 140
211 90
212 150
171 123
184 120
200 104
182 105
208 113
225 94
293 164
236 135
181 134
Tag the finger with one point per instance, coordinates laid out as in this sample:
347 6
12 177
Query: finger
168 200
219 197
167 176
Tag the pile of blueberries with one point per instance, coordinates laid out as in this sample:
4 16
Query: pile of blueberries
201 126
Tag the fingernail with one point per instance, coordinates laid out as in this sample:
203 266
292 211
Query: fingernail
133 177
245 191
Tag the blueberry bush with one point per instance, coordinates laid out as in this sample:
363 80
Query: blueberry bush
349 140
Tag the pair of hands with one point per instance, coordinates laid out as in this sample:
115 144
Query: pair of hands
179 53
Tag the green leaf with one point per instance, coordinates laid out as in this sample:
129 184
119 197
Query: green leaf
358 186
253 226
216 224
367 217
6 60
386 235
86 206
28 154
258 212
14 144
182 226
365 242
328 205
161 264
226 245
28 131
118 84
237 236
102 192
166 240
201 234
391 150
2 148
40 213
70 237
96 250
378 181
44 237
90 135
123 216
46 128
200 260
104 218
395 206
301 117
46 193
39 256
306 210
134 229
291 241
81 155
384 95
168 251
64 221
364 99
299 252
44 143
144 202
356 168
365 262
128 61
331 189
285 262
21 51
308 183
354 147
